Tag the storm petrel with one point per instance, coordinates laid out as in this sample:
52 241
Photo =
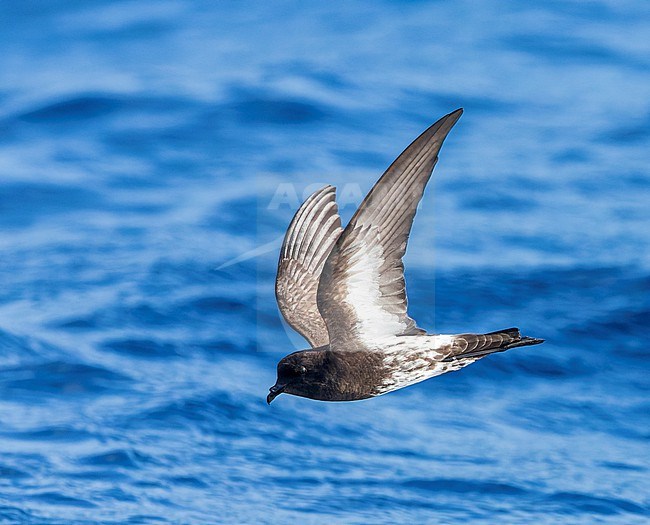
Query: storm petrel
344 291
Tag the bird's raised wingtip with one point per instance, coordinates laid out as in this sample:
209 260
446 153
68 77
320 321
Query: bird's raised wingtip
454 115
327 188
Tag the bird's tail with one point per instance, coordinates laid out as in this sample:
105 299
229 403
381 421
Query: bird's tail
475 346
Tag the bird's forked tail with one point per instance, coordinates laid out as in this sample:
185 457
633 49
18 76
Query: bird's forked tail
475 346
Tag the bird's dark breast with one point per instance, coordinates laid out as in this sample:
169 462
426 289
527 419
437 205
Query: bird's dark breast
349 376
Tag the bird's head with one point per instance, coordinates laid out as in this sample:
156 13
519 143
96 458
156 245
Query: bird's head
299 374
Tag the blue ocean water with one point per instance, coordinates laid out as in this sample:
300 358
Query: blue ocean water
151 157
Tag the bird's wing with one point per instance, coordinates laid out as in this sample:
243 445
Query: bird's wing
362 293
307 243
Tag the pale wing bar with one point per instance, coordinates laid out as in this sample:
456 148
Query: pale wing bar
307 243
362 293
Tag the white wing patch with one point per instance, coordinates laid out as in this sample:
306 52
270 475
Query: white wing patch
364 296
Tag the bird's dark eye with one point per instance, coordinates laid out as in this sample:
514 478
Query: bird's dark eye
292 370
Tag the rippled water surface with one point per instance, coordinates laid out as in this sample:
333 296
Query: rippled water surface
151 156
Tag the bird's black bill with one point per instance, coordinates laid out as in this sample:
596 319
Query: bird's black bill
274 392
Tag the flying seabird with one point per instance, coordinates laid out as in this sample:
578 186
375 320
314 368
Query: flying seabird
344 291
